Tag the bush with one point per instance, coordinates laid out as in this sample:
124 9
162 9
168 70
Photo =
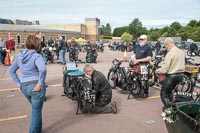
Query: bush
107 37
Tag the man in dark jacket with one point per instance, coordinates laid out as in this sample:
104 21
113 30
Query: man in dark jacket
158 47
103 93
193 47
62 50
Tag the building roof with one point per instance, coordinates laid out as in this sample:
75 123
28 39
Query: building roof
33 28
5 21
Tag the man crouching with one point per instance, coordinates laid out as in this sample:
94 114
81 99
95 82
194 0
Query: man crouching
103 93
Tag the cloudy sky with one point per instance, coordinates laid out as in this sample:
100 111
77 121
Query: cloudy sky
116 12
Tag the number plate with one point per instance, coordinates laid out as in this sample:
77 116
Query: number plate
88 95
144 69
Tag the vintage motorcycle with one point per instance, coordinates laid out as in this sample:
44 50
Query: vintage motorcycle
73 54
117 75
91 55
137 79
76 86
48 53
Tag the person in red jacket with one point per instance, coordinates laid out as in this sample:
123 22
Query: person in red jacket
10 45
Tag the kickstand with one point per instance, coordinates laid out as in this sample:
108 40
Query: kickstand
78 106
130 93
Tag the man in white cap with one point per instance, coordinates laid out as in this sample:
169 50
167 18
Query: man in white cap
143 55
173 66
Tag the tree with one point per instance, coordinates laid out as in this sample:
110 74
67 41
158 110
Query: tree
193 23
176 25
154 35
107 30
126 37
119 31
135 28
172 32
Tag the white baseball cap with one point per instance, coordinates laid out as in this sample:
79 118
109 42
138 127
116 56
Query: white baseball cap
143 37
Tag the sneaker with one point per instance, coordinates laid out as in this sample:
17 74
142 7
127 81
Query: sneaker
114 107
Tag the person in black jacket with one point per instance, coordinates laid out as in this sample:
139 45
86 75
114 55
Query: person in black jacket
103 93
62 50
158 47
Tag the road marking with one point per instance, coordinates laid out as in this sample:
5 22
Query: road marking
13 118
5 79
12 89
54 75
153 97
55 85
16 89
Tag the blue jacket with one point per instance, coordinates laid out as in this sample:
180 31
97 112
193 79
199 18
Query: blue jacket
32 67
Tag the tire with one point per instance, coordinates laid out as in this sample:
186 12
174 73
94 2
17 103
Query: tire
121 78
189 53
112 79
185 85
134 85
52 58
136 90
89 59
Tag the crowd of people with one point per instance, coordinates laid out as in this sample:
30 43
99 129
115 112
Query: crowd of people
32 60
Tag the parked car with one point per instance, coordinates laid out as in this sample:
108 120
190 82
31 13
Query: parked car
179 45
186 44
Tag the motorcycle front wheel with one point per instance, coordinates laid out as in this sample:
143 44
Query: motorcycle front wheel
112 79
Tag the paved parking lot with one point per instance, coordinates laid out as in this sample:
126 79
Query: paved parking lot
59 112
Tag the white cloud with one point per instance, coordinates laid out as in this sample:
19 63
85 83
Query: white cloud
116 12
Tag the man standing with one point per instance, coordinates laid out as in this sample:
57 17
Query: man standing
158 47
173 66
10 45
62 50
193 47
2 50
143 55
38 34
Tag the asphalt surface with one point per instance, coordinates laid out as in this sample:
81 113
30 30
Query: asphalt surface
59 113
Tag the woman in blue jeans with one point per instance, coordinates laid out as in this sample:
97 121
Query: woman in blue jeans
32 83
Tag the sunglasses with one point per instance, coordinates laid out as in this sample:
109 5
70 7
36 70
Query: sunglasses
141 39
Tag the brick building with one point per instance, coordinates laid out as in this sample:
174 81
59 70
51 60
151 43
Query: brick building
19 29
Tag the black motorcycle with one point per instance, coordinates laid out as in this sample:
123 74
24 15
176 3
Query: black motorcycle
137 79
117 75
49 55
73 54
101 48
154 65
76 86
91 55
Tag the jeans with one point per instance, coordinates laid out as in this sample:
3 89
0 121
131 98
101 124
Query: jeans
44 58
36 100
2 55
62 54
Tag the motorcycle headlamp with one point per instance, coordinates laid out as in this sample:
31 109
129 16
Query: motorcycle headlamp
198 77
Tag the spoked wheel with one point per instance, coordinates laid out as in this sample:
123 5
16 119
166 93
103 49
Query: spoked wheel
185 85
121 79
182 89
189 53
136 90
112 79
